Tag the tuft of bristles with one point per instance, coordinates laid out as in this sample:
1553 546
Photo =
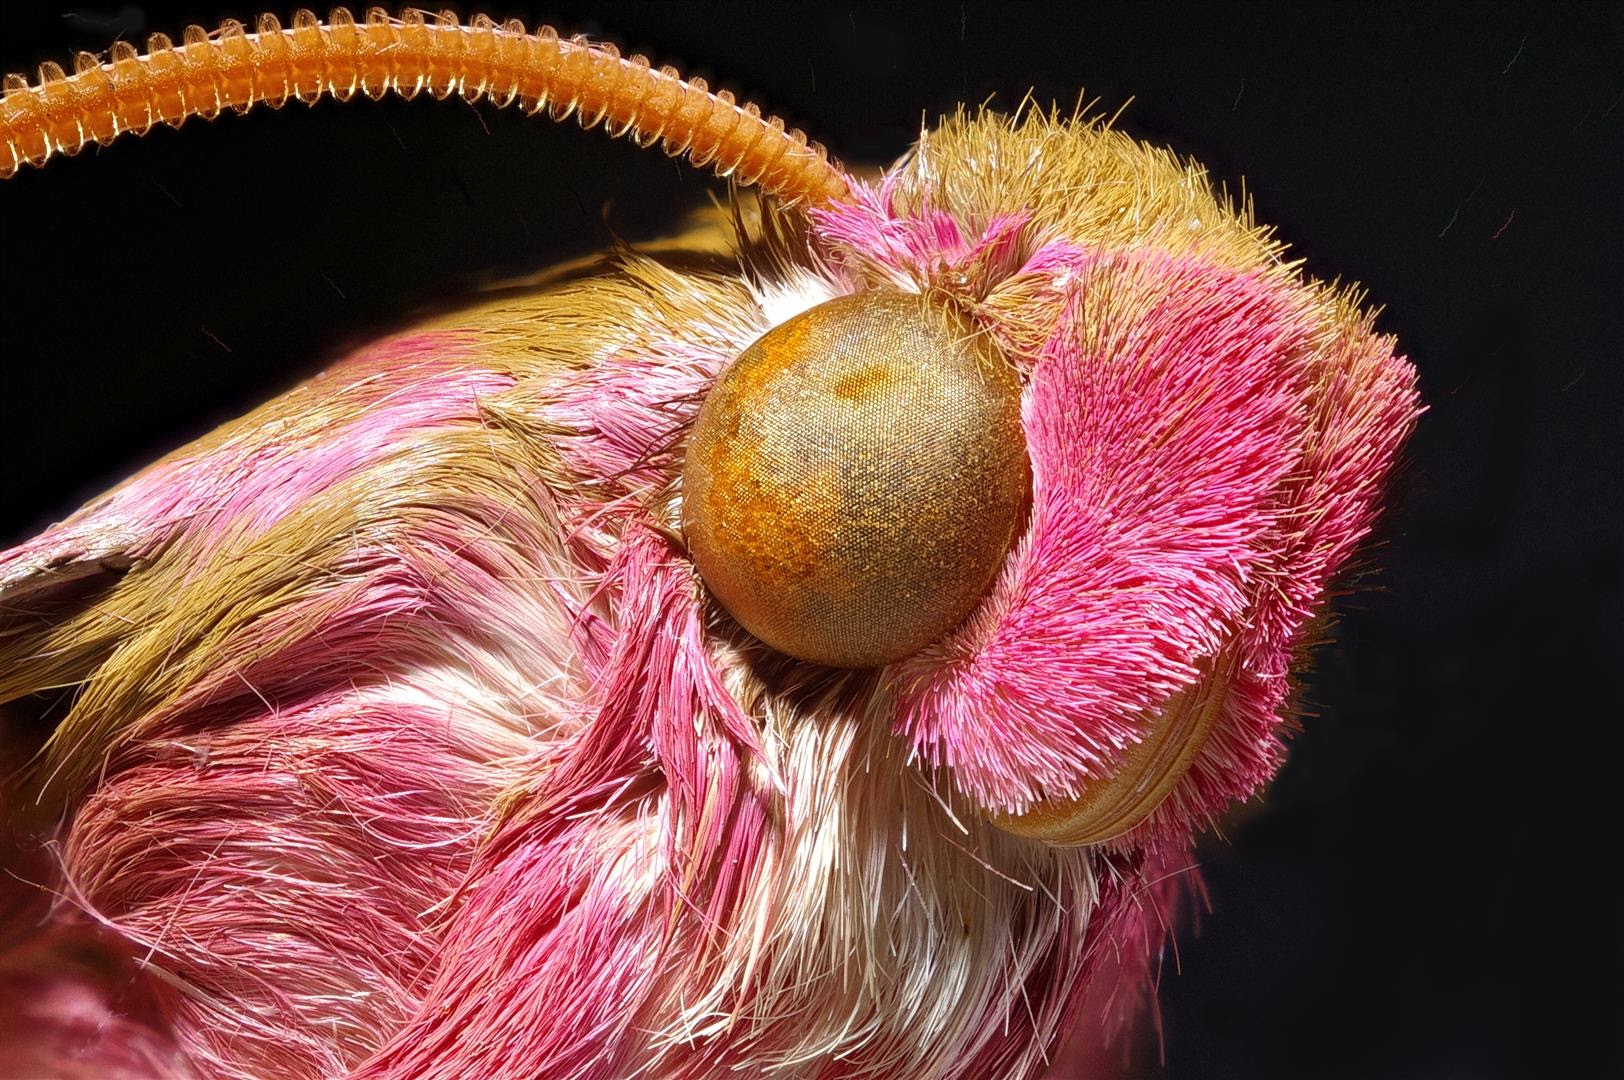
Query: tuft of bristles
1210 436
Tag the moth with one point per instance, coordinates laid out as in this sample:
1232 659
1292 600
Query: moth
807 647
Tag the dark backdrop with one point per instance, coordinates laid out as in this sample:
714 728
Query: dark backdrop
1424 895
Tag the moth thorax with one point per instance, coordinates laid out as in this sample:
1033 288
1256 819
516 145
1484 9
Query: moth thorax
855 478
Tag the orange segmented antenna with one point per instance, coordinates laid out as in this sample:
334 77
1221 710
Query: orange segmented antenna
232 68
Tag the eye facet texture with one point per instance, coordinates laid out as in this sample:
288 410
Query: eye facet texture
854 480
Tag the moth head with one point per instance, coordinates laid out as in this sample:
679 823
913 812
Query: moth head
1066 450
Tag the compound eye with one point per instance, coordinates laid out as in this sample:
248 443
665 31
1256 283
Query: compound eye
855 479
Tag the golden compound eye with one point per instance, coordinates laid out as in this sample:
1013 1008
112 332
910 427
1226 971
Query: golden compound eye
854 480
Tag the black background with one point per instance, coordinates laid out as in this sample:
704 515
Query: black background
1427 893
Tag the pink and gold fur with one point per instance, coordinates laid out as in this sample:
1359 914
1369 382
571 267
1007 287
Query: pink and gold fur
404 742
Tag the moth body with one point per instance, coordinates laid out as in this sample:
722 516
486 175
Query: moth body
423 727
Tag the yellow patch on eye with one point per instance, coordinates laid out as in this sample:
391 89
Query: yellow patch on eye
862 383
855 479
